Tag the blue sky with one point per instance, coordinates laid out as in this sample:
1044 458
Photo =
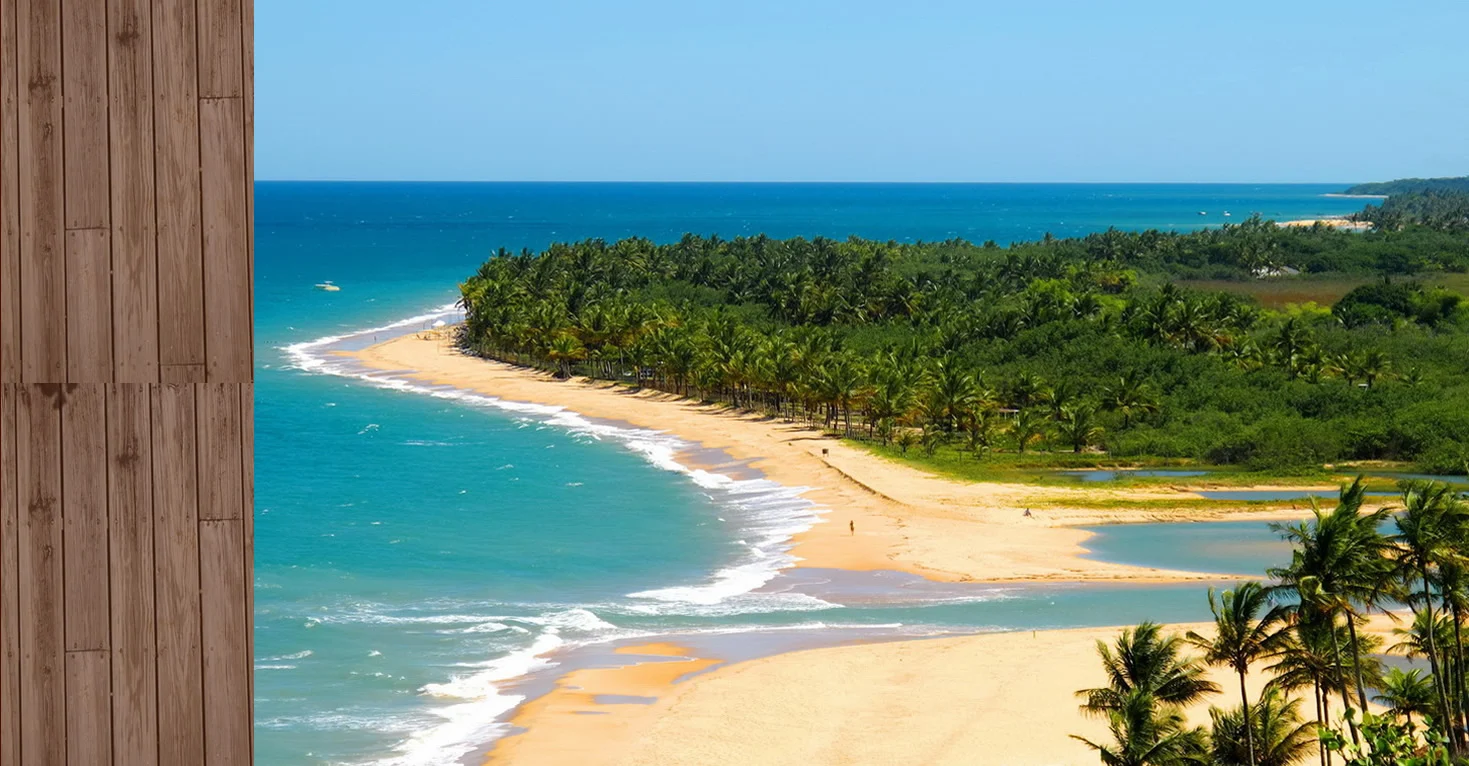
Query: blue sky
910 90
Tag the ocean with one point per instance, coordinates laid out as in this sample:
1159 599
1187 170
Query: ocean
420 553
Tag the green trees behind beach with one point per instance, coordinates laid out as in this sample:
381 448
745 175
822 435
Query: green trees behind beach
1056 346
1305 634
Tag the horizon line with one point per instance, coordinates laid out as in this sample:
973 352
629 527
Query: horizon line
806 182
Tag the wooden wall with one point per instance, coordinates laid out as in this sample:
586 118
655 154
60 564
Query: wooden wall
126 256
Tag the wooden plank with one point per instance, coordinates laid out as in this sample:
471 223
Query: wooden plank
134 253
221 73
130 505
184 373
247 453
226 654
89 303
84 516
84 89
42 661
88 708
221 491
226 265
176 551
247 35
9 584
9 206
42 257
176 163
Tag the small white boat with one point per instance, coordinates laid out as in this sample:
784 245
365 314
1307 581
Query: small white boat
1202 213
328 286
1226 214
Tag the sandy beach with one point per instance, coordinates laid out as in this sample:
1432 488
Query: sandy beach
1340 222
904 519
1008 696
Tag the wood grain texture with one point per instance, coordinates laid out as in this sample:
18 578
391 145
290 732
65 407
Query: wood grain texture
42 260
247 417
176 526
221 73
9 584
9 205
134 245
221 490
88 708
89 302
84 516
226 265
42 633
84 88
176 123
126 402
227 663
247 36
130 532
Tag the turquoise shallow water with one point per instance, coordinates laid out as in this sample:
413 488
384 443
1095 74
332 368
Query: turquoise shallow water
416 550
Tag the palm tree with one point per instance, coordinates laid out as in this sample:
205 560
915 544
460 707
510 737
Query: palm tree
1338 568
1146 735
1274 735
1078 425
1431 521
1242 636
1027 427
565 350
1407 693
1130 396
1146 661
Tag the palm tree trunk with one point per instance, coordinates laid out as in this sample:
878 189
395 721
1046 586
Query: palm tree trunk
1459 667
1433 665
1321 721
1357 662
1346 703
1244 700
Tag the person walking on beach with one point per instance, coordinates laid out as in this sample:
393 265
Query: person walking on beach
1027 513
852 526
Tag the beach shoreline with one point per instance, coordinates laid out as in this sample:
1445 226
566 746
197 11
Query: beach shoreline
976 692
878 514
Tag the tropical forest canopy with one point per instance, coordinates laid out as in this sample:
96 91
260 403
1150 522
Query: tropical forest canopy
1413 185
1079 346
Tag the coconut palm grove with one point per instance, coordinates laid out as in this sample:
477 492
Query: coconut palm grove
1255 346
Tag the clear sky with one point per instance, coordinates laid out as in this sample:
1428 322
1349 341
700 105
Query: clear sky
857 90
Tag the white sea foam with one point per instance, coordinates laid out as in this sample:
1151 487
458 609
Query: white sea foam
765 515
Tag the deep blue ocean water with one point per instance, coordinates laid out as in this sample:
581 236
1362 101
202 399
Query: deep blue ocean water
415 552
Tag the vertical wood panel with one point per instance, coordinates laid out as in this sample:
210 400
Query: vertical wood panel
9 584
180 264
84 517
9 205
226 268
130 504
42 260
134 246
221 72
89 297
247 417
221 494
84 89
227 663
247 36
42 664
176 524
88 708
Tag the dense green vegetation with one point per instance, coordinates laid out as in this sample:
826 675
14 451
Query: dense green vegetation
1411 185
1082 346
1439 210
1303 631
